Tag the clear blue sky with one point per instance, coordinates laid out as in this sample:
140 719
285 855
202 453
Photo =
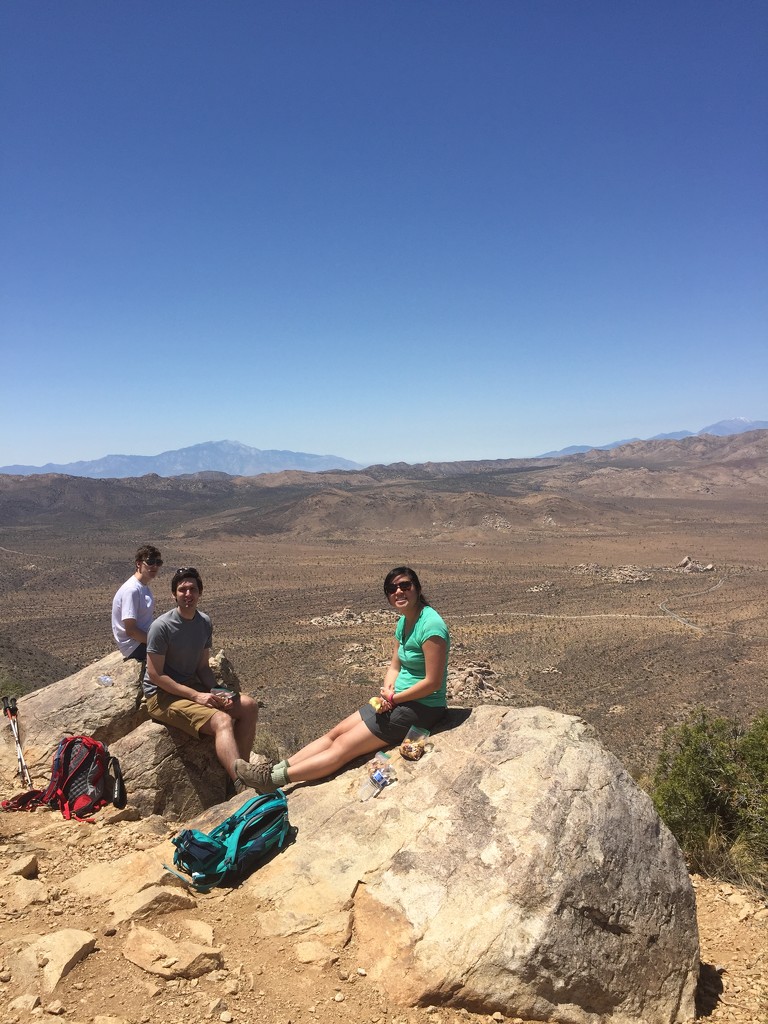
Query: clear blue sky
404 230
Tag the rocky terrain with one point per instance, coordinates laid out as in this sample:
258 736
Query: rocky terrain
562 582
112 937
52 883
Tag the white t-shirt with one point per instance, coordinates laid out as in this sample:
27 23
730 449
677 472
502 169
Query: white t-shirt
133 600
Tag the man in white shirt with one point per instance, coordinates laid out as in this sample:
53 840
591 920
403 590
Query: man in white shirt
133 606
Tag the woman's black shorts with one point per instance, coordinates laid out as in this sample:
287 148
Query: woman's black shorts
392 726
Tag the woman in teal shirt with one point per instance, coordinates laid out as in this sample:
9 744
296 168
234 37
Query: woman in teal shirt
413 693
415 681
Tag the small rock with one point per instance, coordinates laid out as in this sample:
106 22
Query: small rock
226 1017
56 1008
200 931
25 867
313 952
25 1003
339 997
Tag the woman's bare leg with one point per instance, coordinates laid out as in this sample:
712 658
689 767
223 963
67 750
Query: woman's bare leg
322 743
345 746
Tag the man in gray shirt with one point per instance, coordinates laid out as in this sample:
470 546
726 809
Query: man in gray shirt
178 681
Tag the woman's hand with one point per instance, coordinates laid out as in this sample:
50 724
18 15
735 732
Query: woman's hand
387 690
388 693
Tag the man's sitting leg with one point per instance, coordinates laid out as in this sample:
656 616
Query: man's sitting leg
232 730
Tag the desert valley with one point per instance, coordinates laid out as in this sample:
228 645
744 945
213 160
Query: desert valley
565 576
627 587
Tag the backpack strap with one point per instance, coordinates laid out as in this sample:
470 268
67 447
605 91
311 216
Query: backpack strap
50 795
119 798
231 844
24 801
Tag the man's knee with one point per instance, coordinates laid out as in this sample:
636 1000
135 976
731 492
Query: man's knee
219 721
248 706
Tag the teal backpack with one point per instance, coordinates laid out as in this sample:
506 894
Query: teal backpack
235 847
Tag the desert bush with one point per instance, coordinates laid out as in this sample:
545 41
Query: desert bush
266 743
711 790
10 686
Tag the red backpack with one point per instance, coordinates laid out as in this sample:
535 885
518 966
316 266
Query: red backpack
84 778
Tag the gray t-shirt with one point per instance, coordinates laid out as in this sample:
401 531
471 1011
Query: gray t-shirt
182 641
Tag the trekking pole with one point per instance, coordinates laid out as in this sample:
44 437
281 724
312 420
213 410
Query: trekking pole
11 711
15 730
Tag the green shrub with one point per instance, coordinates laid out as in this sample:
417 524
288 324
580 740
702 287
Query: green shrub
711 790
10 686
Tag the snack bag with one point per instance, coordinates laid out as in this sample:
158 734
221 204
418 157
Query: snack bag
414 744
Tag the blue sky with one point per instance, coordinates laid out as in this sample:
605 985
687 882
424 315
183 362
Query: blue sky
390 231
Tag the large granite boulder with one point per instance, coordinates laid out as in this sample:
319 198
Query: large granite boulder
515 868
165 771
102 700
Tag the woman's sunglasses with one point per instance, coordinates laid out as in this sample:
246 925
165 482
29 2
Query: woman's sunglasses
405 586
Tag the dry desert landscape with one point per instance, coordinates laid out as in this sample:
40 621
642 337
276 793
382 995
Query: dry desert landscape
624 586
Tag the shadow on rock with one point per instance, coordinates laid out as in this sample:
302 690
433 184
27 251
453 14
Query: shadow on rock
709 990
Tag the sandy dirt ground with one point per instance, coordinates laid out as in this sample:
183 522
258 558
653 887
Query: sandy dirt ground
574 603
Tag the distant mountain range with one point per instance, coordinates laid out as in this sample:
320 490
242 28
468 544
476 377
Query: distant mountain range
724 428
236 459
595 493
213 456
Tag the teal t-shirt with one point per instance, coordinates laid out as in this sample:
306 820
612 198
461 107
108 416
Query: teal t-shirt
411 654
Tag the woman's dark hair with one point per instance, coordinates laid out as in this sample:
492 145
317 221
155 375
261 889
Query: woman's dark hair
403 570
186 573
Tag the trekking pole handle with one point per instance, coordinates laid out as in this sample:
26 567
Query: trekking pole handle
6 706
14 709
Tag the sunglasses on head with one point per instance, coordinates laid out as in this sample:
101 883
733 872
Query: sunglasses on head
405 586
153 561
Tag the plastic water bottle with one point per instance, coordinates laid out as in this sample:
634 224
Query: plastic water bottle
374 784
382 775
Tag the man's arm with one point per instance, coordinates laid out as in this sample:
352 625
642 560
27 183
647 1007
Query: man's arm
204 672
155 670
131 628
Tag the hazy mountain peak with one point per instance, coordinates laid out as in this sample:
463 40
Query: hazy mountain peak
230 457
738 425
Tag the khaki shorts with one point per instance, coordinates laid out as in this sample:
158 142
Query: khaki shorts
179 712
